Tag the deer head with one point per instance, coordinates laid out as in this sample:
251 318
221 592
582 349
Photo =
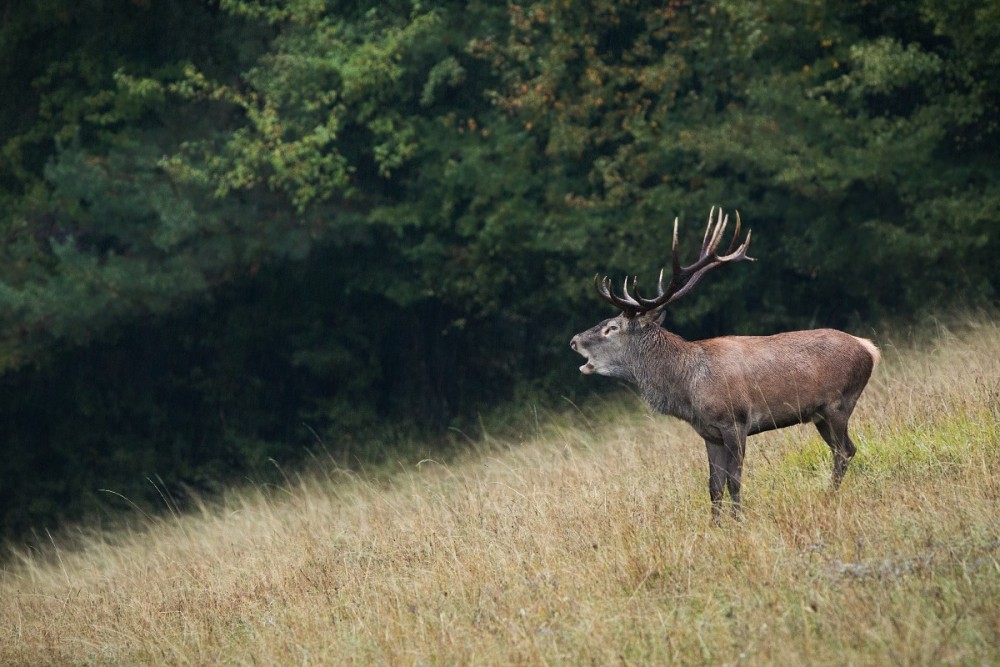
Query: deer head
613 346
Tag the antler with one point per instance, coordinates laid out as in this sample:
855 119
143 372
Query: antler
684 278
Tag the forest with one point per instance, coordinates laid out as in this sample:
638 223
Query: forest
237 232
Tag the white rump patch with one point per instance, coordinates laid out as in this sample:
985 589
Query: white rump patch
871 348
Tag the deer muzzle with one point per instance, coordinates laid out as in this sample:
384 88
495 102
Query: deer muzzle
588 368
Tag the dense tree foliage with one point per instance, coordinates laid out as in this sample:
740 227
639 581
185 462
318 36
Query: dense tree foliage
232 226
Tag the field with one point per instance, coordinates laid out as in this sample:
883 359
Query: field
586 541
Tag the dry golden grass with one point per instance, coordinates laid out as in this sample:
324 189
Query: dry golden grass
590 542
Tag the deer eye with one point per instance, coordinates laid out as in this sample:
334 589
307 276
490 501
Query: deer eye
610 329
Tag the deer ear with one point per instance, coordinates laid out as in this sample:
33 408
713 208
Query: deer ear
654 316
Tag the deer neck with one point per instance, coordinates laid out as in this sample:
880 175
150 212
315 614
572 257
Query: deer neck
665 371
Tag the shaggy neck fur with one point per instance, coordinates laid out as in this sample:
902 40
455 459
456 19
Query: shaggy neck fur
663 366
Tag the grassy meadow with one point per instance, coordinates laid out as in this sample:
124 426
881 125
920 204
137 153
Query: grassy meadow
586 541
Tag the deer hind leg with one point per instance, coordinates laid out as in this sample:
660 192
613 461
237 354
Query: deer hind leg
832 426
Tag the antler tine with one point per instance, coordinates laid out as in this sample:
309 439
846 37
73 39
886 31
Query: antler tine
603 288
631 300
649 304
713 233
740 252
708 231
736 235
675 260
629 305
733 251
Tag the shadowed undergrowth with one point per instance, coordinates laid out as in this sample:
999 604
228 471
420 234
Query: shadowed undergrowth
587 542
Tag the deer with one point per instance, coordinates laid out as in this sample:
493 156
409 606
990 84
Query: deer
730 387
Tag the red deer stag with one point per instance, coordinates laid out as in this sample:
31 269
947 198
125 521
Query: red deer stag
730 387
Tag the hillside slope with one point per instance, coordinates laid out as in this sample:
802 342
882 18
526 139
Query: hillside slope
588 542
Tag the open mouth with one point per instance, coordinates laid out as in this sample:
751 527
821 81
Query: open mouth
588 368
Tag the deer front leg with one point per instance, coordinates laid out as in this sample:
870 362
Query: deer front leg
725 469
718 465
735 443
